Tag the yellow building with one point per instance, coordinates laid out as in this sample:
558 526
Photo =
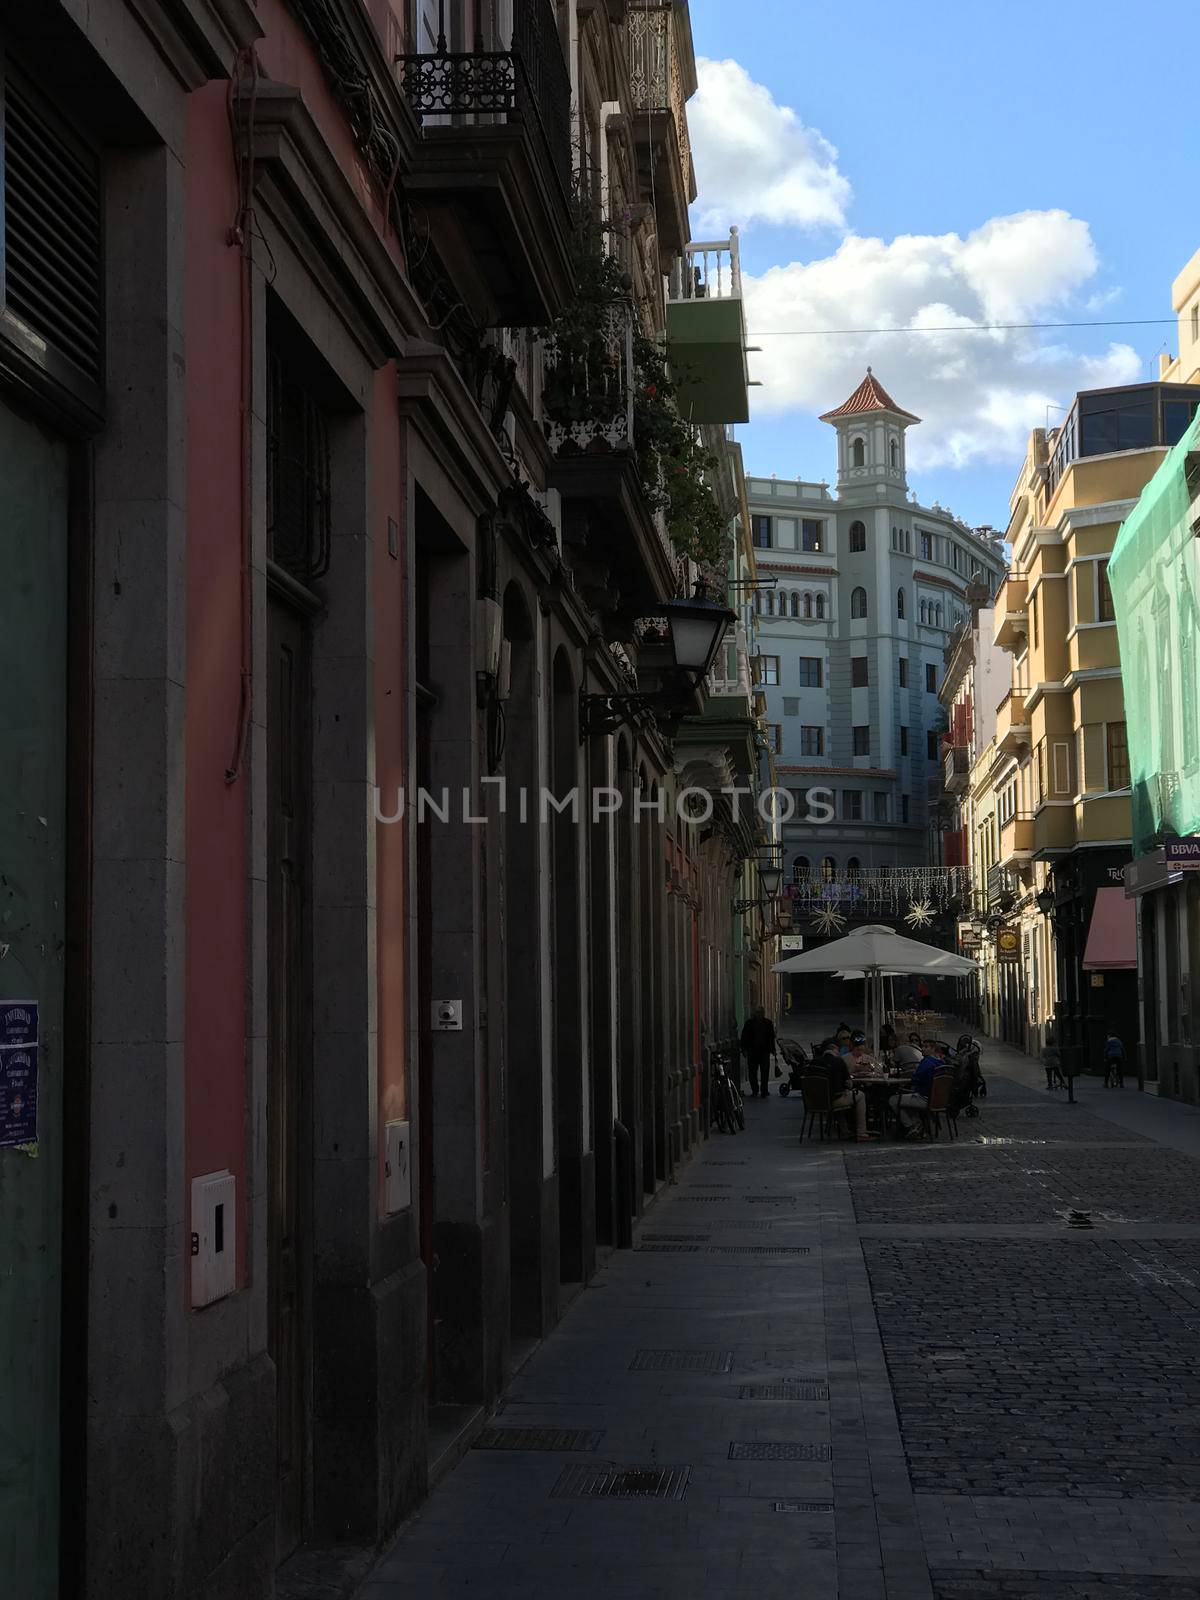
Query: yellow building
1060 769
1185 302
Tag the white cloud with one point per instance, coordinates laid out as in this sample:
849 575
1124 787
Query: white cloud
755 159
977 393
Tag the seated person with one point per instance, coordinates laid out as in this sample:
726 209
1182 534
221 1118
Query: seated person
842 1096
842 1040
888 1038
859 1060
915 1099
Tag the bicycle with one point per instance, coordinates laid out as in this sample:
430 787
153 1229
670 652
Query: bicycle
726 1102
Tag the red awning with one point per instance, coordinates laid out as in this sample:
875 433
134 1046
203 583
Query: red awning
1112 937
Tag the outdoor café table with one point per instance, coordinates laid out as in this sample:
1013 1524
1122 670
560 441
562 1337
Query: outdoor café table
879 1090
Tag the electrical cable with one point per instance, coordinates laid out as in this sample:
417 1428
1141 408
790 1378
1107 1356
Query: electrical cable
957 327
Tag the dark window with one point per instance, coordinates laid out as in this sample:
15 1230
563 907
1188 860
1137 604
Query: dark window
862 741
811 672
903 672
761 527
795 602
828 868
880 807
852 805
800 869
894 450
1118 756
858 672
1177 414
812 534
926 547
775 736
298 476
820 607
1107 612
858 536
858 603
766 669
903 741
853 866
931 744
903 808
931 677
812 741
858 453
900 607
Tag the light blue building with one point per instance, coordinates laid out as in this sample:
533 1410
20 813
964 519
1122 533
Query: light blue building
868 587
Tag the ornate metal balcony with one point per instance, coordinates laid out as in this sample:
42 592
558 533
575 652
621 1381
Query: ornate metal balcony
661 77
494 166
588 389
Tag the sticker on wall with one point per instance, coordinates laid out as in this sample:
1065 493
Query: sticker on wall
18 1074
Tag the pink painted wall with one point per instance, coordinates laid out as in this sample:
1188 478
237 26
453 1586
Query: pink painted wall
215 1004
390 646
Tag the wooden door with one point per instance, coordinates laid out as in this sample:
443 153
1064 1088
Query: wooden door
289 1040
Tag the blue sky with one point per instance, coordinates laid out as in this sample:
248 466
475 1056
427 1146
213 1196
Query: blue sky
945 118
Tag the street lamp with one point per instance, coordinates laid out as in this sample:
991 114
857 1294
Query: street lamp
695 628
1046 901
770 881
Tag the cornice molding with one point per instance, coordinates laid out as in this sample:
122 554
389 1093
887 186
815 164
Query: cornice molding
198 39
300 182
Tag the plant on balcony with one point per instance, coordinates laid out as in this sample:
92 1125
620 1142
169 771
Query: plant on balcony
588 380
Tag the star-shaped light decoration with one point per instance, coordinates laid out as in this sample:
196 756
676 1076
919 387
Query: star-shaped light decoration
829 920
919 914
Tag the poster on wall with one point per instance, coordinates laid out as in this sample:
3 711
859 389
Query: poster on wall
18 1072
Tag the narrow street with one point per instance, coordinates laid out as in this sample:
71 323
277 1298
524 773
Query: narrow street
860 1372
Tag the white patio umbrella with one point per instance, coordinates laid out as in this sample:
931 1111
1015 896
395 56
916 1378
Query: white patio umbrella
873 951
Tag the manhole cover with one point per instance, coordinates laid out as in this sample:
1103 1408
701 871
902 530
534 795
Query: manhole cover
758 1250
538 1439
624 1483
666 1249
825 1506
682 1361
751 1450
783 1391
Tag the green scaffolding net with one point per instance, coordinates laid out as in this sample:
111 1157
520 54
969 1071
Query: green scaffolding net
1155 580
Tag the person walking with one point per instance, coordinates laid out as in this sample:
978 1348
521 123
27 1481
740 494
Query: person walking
1052 1059
758 1043
1114 1062
924 998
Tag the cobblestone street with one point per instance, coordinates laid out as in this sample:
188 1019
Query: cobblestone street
864 1373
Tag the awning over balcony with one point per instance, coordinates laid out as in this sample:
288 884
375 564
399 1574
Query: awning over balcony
1112 937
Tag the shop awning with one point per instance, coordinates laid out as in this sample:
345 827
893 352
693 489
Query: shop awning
1112 937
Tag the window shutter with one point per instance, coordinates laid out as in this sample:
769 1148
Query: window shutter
52 263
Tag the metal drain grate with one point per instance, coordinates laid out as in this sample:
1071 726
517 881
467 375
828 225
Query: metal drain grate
825 1506
682 1361
1079 1219
675 1238
759 1250
784 1391
623 1483
754 1225
697 1184
770 1199
666 1249
750 1450
539 1439
701 1199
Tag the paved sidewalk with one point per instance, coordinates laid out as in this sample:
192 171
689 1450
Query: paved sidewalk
736 1346
962 1370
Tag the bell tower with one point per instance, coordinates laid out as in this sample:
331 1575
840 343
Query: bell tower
871 444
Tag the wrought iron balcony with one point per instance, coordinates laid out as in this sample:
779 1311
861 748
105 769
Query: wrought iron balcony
494 165
588 388
661 76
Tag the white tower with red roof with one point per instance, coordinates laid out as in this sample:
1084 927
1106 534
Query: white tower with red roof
870 428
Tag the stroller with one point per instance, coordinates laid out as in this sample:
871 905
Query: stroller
795 1062
970 1086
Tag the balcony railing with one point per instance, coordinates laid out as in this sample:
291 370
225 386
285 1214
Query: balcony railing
956 768
709 270
588 392
1012 721
1016 835
720 683
655 82
1011 614
527 83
